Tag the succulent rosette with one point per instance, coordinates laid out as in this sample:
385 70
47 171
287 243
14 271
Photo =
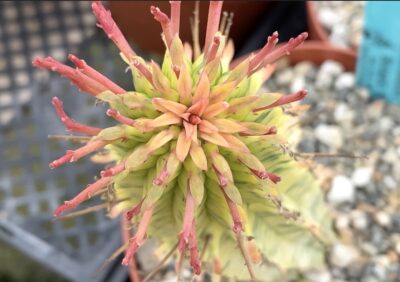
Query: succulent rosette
197 153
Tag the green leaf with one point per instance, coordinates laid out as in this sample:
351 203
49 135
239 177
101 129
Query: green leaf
196 184
233 193
111 133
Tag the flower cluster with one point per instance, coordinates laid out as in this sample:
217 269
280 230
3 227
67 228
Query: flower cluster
198 153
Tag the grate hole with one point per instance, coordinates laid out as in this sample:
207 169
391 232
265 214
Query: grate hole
93 121
2 195
9 135
44 206
40 185
23 210
61 183
34 150
68 223
47 226
12 153
89 219
26 111
15 171
54 146
37 168
30 130
82 179
18 191
73 242
92 238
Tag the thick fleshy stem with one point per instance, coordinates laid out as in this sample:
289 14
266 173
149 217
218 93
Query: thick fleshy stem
143 70
82 81
122 119
71 124
194 251
113 170
214 49
175 16
74 155
214 15
106 22
137 240
165 24
283 50
84 195
258 58
131 213
233 208
188 220
286 99
91 72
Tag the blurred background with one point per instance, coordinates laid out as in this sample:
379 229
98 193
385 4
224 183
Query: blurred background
351 134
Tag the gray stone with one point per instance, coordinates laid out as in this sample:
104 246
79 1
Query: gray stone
390 182
342 190
369 249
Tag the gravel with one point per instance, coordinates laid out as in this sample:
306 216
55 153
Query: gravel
362 182
342 20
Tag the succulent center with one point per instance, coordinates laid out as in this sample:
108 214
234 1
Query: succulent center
194 119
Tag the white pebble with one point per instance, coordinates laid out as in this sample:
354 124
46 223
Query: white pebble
362 176
343 113
389 182
342 221
345 81
343 255
382 218
359 220
284 77
329 135
342 190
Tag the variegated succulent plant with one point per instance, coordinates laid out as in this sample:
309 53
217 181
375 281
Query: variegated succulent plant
198 153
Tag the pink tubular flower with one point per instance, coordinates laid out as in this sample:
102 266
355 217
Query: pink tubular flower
106 22
165 24
214 15
69 123
92 73
82 81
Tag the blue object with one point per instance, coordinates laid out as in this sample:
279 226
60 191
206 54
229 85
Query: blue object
378 65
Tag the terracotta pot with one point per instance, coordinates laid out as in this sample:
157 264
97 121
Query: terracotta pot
318 52
137 23
316 31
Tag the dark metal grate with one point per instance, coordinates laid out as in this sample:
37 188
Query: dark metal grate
29 190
